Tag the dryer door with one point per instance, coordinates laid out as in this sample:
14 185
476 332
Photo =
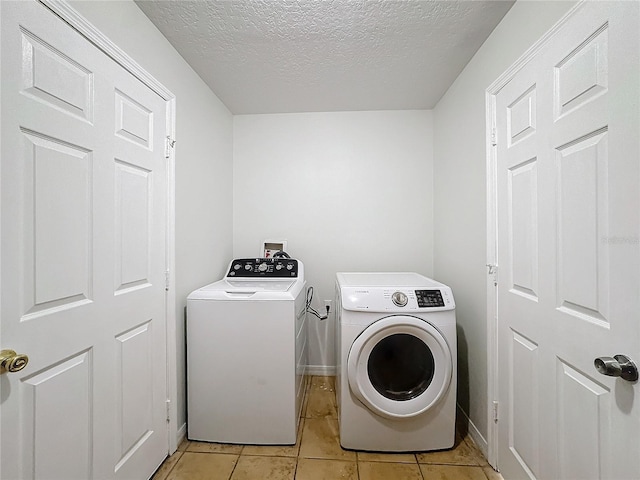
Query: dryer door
399 366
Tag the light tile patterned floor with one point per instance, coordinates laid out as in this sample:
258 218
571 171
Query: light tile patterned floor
318 455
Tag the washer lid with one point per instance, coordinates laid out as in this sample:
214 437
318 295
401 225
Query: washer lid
400 367
257 286
256 279
248 290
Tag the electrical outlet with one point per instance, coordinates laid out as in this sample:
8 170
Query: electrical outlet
327 305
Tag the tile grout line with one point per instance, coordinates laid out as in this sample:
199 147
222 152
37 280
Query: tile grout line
295 470
235 465
174 465
420 470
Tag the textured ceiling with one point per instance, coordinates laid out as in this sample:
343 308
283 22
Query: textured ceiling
281 56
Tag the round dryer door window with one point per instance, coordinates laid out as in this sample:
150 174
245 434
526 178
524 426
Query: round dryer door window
399 366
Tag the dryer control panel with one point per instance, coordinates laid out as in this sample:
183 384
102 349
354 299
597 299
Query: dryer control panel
397 299
263 268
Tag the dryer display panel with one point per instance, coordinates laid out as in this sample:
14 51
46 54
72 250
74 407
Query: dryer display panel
429 298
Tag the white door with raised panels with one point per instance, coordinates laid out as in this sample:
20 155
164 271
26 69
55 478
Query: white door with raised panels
83 223
568 179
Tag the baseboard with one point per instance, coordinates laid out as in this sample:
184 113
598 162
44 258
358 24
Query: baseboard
321 370
182 434
475 434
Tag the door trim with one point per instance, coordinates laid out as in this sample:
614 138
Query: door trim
76 21
492 229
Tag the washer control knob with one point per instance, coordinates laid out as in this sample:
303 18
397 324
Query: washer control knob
247 266
289 266
237 266
399 299
263 267
279 266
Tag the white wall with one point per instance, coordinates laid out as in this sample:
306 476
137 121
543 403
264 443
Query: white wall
350 191
460 191
203 156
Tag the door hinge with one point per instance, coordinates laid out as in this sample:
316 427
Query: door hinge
168 404
494 137
495 412
169 144
167 280
492 269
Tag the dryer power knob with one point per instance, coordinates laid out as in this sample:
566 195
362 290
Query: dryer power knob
399 299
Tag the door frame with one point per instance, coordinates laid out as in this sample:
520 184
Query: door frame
77 22
493 269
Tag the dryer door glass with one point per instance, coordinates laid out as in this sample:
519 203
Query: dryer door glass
401 367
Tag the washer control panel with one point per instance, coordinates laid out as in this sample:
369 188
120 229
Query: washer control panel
263 268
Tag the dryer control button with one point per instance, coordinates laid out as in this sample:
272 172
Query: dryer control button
399 299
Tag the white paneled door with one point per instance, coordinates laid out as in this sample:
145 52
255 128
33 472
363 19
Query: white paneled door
83 198
568 178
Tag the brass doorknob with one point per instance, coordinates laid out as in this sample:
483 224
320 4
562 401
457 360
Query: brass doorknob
12 362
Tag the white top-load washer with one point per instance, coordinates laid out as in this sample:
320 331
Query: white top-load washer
247 354
396 362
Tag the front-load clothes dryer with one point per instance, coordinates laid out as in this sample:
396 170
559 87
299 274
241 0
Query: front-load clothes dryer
247 354
396 362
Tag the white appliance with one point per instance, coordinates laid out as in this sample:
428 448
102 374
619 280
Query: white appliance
247 354
396 362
